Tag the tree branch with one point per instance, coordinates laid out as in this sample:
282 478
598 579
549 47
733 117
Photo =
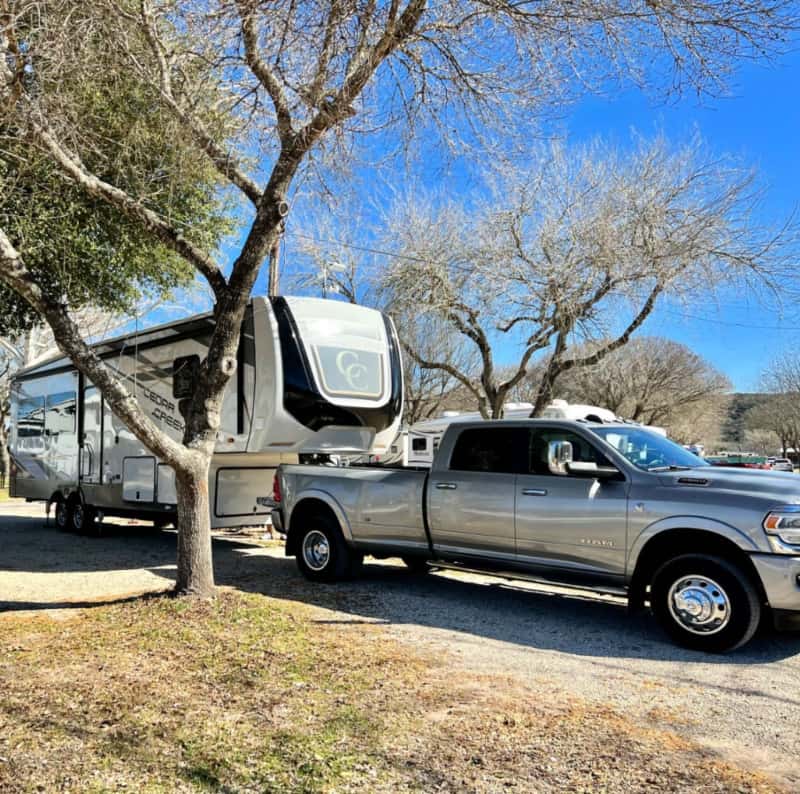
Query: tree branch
441 365
164 231
223 161
15 275
622 339
265 75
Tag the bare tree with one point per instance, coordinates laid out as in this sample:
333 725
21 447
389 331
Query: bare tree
763 442
579 248
779 412
651 380
334 259
290 74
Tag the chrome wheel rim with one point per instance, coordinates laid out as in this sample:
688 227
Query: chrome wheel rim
316 550
699 605
61 515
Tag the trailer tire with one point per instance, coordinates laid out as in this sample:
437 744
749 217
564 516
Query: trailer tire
322 552
705 602
82 518
61 515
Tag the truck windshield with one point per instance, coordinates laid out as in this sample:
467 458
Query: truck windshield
648 451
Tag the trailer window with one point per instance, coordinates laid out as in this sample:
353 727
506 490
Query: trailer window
346 347
419 444
60 414
350 373
30 417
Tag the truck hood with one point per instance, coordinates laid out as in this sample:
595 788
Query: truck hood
780 487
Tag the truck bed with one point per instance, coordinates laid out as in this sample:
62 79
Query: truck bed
380 506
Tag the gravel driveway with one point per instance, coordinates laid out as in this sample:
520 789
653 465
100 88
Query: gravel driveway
565 648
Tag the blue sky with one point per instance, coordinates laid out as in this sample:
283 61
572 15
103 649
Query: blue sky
759 123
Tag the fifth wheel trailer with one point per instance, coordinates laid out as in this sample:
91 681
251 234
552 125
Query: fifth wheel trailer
313 377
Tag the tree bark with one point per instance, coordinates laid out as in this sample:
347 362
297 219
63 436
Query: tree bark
5 463
195 575
544 395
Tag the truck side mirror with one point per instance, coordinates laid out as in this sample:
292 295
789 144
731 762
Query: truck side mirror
559 456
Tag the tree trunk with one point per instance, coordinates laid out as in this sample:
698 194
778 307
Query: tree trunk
544 395
195 569
5 464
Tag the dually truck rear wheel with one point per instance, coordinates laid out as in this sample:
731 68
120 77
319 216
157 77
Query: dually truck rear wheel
705 602
323 554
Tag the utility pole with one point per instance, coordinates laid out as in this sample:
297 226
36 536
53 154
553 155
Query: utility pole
274 263
326 268
275 252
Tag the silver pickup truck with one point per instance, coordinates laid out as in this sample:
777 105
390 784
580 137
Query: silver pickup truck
613 508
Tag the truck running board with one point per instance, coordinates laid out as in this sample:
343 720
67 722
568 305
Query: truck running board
512 576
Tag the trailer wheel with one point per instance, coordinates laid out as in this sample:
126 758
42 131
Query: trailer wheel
705 602
322 553
62 516
82 518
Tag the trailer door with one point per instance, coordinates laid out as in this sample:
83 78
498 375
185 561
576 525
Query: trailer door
91 445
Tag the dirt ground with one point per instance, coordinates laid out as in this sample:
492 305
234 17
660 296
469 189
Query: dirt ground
561 650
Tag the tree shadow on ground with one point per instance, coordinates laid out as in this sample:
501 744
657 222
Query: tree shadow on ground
488 608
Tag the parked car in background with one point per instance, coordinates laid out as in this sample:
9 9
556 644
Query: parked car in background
695 449
781 464
739 461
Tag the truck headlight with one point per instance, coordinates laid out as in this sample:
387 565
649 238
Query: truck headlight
783 529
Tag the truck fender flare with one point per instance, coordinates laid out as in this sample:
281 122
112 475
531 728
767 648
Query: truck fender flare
322 496
688 522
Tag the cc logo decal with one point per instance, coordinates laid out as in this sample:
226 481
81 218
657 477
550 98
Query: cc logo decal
353 371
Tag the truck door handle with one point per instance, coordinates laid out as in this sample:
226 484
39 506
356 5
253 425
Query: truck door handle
534 492
446 486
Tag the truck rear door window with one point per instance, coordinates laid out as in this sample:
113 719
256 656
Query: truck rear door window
501 450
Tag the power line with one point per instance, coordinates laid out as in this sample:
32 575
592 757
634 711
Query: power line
685 315
363 248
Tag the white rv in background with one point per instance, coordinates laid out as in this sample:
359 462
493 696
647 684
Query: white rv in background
314 376
415 445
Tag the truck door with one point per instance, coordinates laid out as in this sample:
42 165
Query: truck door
570 521
471 496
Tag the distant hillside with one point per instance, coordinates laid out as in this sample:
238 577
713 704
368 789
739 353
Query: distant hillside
738 405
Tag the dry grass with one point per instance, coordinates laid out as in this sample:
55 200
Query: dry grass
249 694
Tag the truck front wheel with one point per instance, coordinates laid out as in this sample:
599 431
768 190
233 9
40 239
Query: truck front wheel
705 602
322 553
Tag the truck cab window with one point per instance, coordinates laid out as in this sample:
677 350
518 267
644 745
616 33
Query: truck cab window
582 450
494 449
